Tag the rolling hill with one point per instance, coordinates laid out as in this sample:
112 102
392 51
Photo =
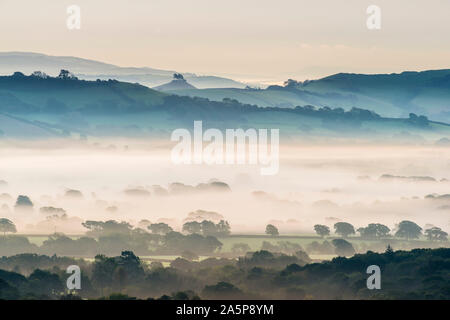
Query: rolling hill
391 95
66 106
27 62
178 83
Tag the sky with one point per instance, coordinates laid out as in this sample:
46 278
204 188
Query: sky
251 40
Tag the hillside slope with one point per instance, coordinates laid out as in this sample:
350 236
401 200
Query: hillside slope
392 95
27 62
112 108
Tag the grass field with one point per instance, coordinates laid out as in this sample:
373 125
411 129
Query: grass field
254 241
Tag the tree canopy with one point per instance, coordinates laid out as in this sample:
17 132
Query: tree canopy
344 229
272 230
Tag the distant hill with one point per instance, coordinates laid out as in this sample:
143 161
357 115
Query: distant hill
64 105
178 83
391 95
27 62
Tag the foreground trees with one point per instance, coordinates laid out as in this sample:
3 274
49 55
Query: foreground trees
416 274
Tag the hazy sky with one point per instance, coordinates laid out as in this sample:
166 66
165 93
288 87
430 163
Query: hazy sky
246 39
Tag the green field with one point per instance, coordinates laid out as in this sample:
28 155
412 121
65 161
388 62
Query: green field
255 241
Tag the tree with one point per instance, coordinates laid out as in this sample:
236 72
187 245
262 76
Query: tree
100 228
272 230
192 227
223 228
409 230
178 76
39 74
66 75
322 230
23 203
374 230
343 247
208 228
44 282
103 270
344 229
160 228
7 225
436 233
389 251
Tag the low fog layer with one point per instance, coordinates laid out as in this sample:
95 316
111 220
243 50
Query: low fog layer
130 181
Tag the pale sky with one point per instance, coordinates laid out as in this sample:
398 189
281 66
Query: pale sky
245 39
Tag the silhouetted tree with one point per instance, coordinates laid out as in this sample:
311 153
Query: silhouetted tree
23 203
178 76
66 75
344 229
343 247
409 230
374 230
159 228
7 225
436 234
192 227
322 230
272 230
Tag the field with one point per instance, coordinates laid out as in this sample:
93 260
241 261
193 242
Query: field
255 242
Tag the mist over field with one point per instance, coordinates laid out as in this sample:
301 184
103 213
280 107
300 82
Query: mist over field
132 180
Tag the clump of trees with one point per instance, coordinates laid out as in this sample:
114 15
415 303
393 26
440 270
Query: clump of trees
272 230
23 203
112 237
208 228
344 229
405 229
51 211
159 228
436 234
408 230
374 231
66 75
322 230
103 228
